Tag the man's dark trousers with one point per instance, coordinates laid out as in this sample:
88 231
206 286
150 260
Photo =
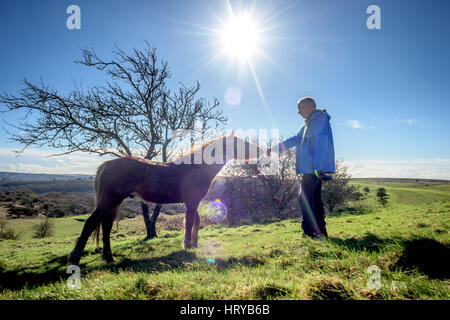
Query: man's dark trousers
311 204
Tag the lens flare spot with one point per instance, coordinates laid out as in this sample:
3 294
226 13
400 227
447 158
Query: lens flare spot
233 96
216 211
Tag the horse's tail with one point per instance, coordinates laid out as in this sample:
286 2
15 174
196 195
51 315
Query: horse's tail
98 182
98 194
96 233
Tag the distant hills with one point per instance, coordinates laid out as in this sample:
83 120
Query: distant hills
19 176
84 183
410 180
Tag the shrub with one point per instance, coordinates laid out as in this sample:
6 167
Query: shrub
356 195
10 234
45 228
382 196
249 193
366 189
7 233
57 213
19 211
336 193
3 223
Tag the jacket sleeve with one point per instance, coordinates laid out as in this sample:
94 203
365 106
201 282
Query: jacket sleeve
322 140
288 143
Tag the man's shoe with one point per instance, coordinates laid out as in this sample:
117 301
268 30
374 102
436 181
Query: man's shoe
315 236
319 237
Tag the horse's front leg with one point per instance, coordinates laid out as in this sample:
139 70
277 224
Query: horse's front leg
191 213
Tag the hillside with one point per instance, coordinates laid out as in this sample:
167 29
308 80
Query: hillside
22 176
25 203
407 241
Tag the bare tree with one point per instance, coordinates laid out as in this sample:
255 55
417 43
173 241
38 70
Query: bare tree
132 114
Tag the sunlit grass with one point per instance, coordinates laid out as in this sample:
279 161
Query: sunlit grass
407 240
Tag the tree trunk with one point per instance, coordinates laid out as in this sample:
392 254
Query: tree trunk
150 222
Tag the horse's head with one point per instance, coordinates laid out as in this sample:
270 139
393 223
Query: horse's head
239 149
221 150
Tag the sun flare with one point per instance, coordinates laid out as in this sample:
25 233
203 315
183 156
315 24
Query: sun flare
240 37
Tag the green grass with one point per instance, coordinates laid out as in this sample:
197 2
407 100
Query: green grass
408 240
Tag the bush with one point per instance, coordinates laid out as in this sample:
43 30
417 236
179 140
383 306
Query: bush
7 233
3 223
57 213
44 229
254 195
366 189
10 234
21 211
336 193
382 196
356 195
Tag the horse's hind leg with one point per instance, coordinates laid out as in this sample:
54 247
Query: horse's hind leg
89 226
107 224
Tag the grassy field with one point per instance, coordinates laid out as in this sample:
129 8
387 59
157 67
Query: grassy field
407 241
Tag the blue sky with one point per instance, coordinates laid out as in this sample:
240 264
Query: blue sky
386 90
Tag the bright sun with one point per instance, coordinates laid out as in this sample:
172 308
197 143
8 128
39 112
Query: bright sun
240 37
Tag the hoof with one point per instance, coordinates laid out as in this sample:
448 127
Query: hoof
98 250
187 245
108 259
74 258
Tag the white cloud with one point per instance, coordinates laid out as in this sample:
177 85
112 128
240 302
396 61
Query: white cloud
431 168
354 124
37 161
411 122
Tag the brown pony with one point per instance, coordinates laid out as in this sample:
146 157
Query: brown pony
186 179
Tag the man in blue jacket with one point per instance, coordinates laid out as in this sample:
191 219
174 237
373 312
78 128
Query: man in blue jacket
314 159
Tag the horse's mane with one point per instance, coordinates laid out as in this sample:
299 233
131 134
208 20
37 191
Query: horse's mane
194 149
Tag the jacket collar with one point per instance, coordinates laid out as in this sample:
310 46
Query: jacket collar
314 114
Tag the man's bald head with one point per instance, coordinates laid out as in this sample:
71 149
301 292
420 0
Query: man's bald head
306 106
306 101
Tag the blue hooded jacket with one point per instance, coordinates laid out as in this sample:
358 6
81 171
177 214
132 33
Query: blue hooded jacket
314 142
